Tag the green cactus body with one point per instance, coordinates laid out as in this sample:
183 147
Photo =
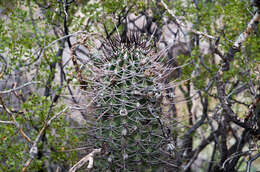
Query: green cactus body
127 109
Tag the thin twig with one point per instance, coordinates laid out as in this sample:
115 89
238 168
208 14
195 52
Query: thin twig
20 87
180 23
238 154
64 37
8 111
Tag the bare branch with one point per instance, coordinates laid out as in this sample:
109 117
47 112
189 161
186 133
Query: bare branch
62 38
7 122
20 87
251 160
8 111
250 27
34 148
229 56
237 154
88 158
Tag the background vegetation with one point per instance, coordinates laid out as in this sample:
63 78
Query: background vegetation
144 85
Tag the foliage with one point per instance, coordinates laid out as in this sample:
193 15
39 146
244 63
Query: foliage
216 82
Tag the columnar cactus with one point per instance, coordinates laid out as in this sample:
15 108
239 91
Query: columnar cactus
126 84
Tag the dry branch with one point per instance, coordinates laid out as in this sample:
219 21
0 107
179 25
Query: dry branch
7 122
229 114
79 74
251 160
34 148
250 27
18 88
88 158
229 56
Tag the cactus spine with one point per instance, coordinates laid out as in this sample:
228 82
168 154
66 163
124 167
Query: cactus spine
126 88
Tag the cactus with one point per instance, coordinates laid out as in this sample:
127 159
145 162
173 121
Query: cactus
126 84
